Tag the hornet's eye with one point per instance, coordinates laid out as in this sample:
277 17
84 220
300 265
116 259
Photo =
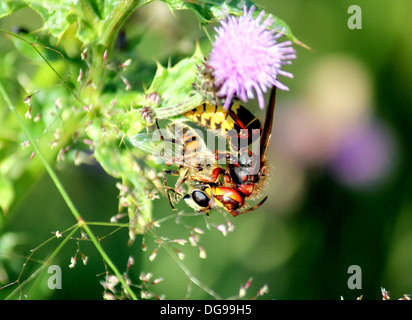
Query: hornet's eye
200 198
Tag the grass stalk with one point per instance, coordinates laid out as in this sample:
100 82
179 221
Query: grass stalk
81 223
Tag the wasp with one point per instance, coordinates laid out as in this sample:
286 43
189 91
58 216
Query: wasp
211 184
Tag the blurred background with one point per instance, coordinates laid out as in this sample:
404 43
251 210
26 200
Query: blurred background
341 186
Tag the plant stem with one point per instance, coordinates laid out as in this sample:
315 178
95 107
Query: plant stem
185 269
116 19
107 35
70 204
49 260
44 264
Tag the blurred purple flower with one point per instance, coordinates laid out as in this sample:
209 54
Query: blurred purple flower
365 156
246 57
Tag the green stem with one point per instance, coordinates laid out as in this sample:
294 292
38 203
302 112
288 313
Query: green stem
70 204
63 82
40 269
116 19
50 259
109 29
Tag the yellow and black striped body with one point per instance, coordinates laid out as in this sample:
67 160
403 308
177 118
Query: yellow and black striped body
216 118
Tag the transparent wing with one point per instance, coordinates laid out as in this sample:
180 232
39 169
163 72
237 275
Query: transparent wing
147 143
178 144
154 146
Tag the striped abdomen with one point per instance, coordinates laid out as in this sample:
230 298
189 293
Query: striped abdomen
216 118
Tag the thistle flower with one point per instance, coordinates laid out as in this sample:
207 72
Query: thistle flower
247 58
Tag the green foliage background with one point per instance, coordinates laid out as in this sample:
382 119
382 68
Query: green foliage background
300 243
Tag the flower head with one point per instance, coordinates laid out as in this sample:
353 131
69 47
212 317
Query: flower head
247 58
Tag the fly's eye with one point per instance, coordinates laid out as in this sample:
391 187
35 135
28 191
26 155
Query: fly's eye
200 198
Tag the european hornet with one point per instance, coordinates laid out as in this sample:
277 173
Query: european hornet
211 184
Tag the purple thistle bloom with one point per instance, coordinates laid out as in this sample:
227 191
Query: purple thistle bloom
246 57
365 156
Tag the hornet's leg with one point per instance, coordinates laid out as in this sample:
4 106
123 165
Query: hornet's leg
167 188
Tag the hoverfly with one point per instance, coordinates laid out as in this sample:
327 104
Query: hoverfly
214 117
210 184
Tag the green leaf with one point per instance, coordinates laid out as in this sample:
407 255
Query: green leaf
98 20
175 84
129 123
7 7
281 25
57 15
214 10
211 10
121 163
6 193
54 14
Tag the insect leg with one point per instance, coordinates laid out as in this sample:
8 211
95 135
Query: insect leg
161 134
167 188
236 213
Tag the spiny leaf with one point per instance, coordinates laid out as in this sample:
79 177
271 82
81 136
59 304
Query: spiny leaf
129 123
94 17
175 84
